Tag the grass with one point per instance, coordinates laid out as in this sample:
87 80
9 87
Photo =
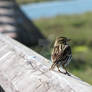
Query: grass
79 29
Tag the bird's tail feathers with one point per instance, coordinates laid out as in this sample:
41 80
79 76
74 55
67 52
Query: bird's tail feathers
53 66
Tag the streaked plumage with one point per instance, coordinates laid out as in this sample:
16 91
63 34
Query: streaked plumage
61 54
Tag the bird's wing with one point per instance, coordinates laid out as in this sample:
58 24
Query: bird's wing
60 55
66 53
56 53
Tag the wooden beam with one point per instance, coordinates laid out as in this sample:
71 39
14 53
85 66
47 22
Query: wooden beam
23 70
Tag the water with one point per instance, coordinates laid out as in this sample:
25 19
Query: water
49 9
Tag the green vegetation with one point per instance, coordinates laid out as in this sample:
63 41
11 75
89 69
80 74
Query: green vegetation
31 1
79 29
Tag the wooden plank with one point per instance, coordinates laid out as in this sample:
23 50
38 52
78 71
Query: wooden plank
27 71
6 57
4 50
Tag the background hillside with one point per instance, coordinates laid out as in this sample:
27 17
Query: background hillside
31 1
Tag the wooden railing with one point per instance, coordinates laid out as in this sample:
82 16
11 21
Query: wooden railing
23 70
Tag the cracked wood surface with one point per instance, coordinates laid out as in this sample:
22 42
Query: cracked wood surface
23 70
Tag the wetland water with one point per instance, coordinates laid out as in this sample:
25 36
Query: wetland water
49 9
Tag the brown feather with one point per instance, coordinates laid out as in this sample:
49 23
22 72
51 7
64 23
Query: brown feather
61 54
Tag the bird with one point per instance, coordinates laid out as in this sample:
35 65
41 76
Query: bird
61 54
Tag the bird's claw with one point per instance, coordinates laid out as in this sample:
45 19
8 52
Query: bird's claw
67 73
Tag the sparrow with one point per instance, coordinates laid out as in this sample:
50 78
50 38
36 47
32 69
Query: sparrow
61 54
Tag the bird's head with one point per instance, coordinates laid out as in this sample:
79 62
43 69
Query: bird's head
62 40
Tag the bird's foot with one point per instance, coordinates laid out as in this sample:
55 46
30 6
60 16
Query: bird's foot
67 73
61 71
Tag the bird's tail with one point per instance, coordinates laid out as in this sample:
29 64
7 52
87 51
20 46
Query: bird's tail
53 66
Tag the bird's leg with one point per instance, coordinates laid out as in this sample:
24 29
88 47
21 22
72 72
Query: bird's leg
58 66
66 70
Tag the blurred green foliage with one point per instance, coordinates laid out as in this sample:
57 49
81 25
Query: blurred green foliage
31 1
35 1
79 29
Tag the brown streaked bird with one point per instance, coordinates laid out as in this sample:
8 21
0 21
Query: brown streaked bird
61 54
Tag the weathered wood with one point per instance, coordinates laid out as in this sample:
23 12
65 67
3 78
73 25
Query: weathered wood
23 70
